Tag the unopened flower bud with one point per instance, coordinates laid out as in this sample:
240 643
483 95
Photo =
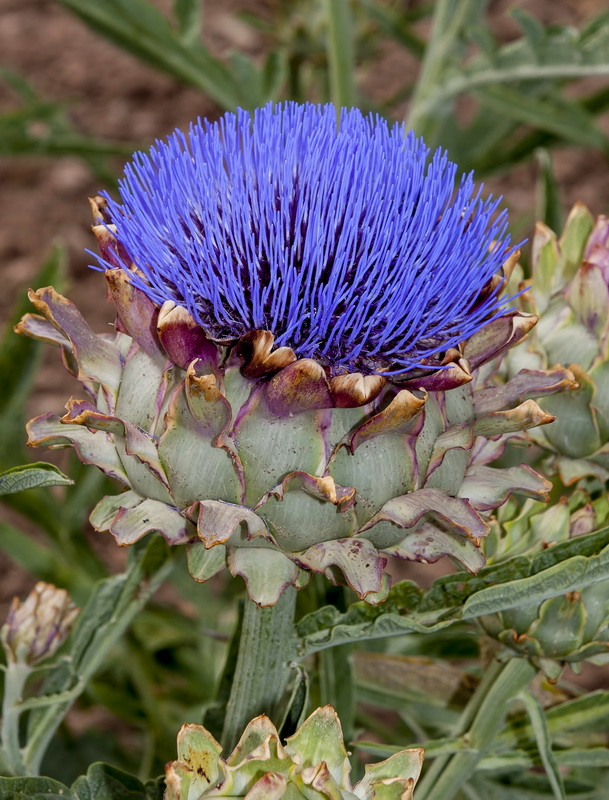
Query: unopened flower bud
35 629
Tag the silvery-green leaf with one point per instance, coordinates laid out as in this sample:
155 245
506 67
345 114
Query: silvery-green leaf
32 476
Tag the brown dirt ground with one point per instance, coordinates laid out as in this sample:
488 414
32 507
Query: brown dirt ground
111 95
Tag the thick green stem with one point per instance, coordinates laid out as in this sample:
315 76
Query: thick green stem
266 647
481 719
15 678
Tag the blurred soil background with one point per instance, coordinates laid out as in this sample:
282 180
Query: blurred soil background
112 96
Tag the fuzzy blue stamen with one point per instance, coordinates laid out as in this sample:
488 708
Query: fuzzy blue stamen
351 244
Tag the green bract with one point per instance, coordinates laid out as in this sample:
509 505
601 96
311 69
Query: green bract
270 465
562 630
312 764
569 290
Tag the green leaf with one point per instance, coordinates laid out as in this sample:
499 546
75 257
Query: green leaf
433 748
19 362
588 713
188 14
32 476
396 24
104 782
139 28
532 28
528 786
33 789
571 574
568 566
36 558
336 686
18 354
564 118
215 714
545 57
544 743
523 759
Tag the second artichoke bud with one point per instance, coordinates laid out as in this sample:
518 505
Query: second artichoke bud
36 628
569 289
569 628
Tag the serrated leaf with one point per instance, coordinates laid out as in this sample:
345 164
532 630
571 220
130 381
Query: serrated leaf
565 567
32 476
561 53
568 576
531 27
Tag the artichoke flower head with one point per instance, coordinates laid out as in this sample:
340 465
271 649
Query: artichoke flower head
301 309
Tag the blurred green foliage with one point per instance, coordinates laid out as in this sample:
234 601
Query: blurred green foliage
153 664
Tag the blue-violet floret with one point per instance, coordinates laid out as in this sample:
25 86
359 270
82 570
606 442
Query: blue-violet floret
351 243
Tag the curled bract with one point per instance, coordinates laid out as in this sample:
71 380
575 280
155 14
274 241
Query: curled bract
288 472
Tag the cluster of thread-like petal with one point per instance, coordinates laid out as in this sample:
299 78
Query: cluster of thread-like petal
350 243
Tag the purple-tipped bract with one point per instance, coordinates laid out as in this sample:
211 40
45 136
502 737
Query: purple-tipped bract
352 244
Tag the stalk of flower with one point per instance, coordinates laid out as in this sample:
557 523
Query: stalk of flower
569 289
32 633
312 763
301 311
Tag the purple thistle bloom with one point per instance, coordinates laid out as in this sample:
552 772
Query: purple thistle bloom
351 244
